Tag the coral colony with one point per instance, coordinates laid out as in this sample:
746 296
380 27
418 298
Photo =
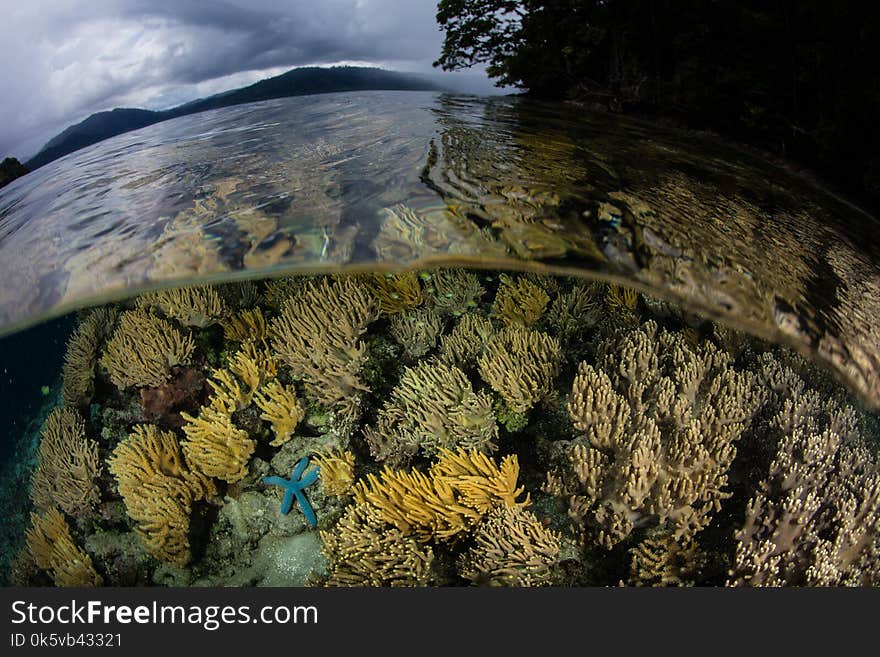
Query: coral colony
468 428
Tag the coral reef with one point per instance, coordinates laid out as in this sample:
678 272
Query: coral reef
572 314
664 561
395 292
659 448
67 465
815 519
280 408
81 357
433 407
511 548
454 291
215 445
519 302
53 549
465 342
159 489
521 365
455 494
317 334
143 349
416 331
659 424
198 306
246 325
337 471
363 551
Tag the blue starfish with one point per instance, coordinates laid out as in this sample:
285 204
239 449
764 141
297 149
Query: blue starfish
294 489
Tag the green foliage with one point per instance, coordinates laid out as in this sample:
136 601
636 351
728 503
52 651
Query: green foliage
797 78
10 169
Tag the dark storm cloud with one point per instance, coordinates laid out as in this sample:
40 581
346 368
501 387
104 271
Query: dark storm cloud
68 58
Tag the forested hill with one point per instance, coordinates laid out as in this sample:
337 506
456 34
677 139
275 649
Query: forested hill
297 82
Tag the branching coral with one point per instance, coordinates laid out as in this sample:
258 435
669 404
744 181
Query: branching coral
395 292
663 561
432 407
511 548
574 312
245 326
281 409
455 291
465 342
143 349
317 335
455 494
67 465
815 520
337 471
519 302
279 290
53 549
159 490
215 446
363 551
78 371
520 365
659 423
416 331
191 306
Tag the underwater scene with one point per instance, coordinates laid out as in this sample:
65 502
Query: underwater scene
425 339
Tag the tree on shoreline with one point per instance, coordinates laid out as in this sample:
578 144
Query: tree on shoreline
798 78
10 169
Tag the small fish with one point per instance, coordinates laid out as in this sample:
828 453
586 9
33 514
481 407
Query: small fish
326 245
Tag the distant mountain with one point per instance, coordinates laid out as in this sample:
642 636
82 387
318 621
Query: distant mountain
296 82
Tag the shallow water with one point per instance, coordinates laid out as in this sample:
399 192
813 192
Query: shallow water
710 255
400 179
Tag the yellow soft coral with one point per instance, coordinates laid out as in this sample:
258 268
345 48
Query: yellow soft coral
451 498
143 349
50 543
68 465
159 489
337 471
281 409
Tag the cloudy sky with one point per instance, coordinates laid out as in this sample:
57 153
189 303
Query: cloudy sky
65 59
